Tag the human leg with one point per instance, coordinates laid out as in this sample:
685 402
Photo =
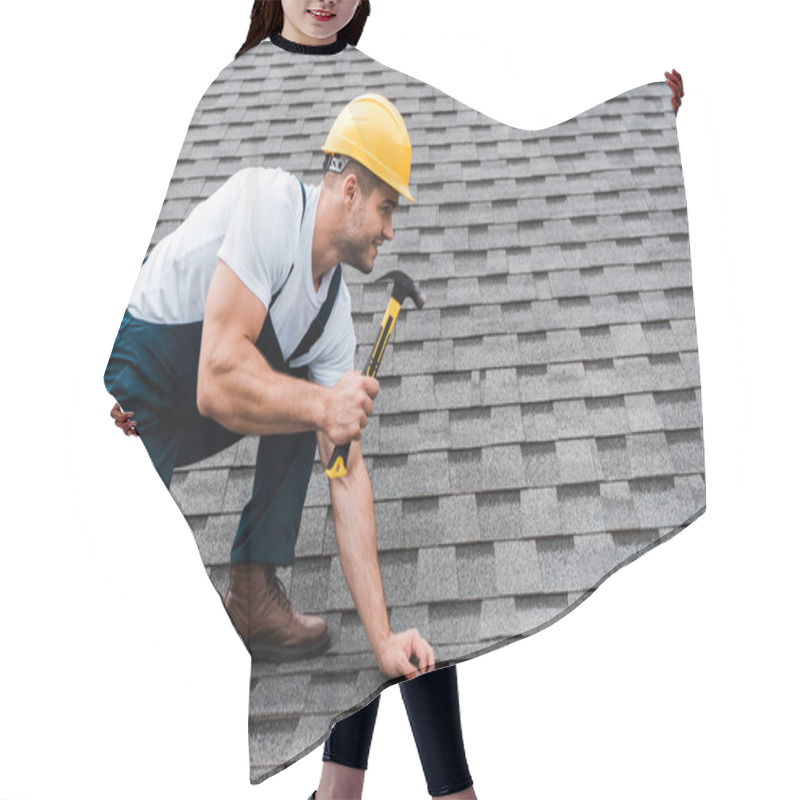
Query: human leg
432 704
256 600
270 521
346 755
433 709
152 372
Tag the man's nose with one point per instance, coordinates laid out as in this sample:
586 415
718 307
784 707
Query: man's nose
388 231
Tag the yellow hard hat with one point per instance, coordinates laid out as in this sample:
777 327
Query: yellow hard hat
371 130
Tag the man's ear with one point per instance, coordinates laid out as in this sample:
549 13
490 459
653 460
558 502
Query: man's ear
350 189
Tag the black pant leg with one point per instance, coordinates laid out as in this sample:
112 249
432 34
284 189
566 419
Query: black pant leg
351 738
433 710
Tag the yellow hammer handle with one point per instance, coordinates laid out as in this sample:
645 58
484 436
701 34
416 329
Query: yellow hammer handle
337 466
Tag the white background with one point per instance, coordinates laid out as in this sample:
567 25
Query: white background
120 677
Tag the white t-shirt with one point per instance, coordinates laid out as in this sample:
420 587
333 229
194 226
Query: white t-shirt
252 222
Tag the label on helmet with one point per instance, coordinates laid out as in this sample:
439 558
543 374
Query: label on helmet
337 163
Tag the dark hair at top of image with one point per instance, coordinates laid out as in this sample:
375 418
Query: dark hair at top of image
266 19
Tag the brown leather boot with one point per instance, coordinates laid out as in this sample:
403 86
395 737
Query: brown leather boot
257 604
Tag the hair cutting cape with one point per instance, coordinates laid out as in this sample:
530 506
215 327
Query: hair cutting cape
539 421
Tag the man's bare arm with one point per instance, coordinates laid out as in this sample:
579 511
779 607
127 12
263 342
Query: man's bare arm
238 388
354 523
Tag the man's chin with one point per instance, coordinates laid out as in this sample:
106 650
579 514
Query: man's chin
364 266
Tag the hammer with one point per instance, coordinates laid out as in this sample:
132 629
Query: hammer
402 288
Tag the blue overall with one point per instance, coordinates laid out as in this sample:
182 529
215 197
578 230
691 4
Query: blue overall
153 373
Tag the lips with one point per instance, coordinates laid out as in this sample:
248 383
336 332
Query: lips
321 16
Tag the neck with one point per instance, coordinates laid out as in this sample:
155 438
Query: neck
309 49
325 253
295 35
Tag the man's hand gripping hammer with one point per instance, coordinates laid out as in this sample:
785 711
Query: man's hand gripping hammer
402 288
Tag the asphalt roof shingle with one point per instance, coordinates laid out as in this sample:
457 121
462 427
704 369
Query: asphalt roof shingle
539 421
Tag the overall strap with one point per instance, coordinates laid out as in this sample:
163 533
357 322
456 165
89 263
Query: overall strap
317 327
291 269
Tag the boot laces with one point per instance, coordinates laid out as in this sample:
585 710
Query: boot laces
280 591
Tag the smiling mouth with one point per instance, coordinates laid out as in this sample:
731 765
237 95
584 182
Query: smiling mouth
322 16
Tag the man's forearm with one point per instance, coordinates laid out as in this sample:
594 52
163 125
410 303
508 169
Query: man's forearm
239 389
354 523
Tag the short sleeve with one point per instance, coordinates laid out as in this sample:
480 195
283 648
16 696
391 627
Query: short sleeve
262 231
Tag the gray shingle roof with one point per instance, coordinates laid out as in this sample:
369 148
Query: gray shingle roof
539 423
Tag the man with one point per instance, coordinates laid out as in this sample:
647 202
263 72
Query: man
240 324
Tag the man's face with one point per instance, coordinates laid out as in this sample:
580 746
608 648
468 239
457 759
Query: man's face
368 226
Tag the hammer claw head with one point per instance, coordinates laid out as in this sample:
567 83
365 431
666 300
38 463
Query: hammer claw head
404 287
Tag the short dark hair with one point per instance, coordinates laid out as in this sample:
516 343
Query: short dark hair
266 19
367 181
